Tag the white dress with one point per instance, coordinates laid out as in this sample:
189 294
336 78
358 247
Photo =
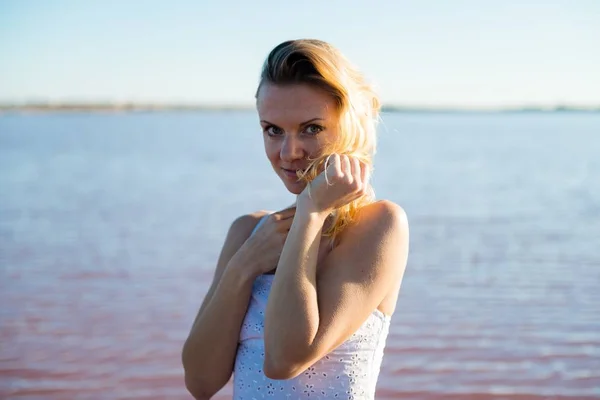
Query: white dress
350 371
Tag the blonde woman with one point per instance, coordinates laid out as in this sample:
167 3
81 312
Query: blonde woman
302 298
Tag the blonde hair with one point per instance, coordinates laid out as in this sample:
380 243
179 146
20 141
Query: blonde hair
317 63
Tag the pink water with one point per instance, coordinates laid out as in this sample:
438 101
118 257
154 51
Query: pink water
108 241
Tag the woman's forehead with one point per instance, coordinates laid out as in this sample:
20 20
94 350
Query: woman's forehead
294 103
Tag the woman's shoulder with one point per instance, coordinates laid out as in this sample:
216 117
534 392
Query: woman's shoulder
376 221
382 214
385 205
245 224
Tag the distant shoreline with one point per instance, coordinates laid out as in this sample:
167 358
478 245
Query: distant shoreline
34 108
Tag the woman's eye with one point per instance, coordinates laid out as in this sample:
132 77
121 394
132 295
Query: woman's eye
273 131
314 129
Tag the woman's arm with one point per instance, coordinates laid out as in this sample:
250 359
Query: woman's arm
209 352
306 318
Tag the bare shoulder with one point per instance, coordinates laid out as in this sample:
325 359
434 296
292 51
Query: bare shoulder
384 213
381 219
238 233
374 247
364 270
243 225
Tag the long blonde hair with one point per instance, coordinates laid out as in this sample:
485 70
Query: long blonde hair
318 63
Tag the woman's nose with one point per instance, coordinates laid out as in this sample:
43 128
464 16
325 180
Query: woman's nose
291 149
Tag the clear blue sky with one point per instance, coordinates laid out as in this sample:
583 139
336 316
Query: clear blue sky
474 53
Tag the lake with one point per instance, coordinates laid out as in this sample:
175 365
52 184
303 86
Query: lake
110 226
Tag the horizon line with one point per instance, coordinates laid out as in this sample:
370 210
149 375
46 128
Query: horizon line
102 105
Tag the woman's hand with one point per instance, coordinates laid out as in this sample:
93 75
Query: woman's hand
263 248
344 179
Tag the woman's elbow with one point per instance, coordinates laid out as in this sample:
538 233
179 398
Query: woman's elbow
281 369
197 388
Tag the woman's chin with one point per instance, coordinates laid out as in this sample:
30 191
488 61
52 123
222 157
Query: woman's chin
294 188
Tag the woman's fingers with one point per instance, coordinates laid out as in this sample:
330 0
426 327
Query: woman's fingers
350 169
285 225
346 169
337 165
357 173
286 213
365 174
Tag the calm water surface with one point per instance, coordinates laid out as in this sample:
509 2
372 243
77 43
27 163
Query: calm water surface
110 226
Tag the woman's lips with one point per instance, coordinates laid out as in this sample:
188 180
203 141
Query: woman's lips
290 173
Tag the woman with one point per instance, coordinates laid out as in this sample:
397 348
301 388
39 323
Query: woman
301 300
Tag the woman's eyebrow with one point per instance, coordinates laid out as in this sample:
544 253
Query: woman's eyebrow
301 124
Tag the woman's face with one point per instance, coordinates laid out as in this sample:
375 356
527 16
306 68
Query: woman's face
297 121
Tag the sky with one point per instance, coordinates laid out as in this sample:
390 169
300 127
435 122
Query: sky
459 53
